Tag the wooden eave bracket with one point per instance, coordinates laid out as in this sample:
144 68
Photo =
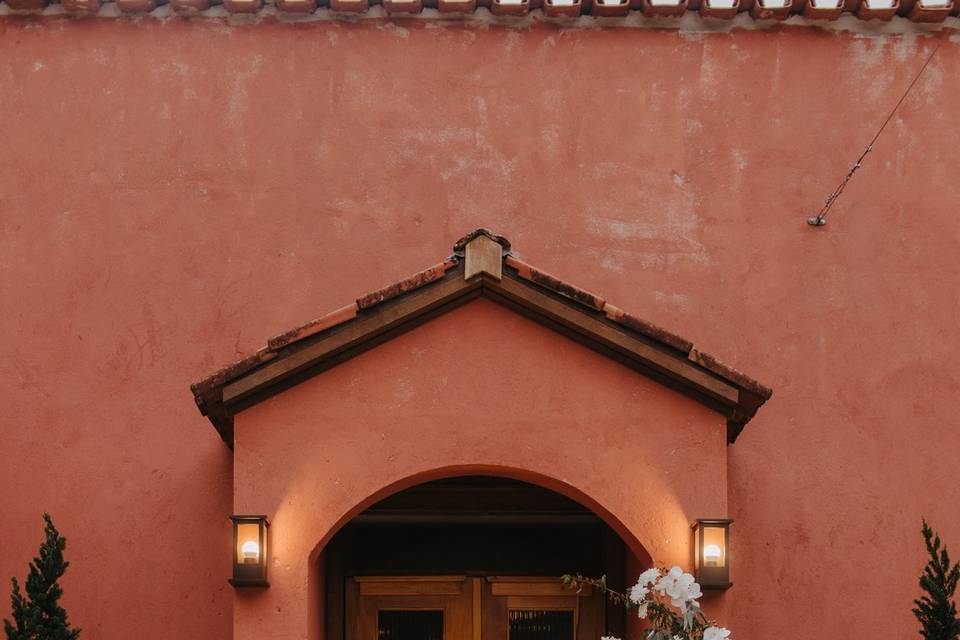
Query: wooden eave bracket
482 266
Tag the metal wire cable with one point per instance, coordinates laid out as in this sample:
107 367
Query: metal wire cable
821 218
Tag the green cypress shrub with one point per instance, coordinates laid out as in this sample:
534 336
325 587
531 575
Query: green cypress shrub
936 611
38 615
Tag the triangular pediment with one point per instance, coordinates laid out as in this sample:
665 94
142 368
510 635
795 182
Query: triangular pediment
482 265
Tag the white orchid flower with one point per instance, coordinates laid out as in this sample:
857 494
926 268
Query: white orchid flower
715 633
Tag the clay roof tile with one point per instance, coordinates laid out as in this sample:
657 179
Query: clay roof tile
647 328
332 319
710 363
415 281
232 371
547 281
913 10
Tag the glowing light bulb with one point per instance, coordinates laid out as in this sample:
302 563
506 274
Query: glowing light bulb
711 555
250 551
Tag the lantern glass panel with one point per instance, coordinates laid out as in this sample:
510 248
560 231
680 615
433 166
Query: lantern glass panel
714 546
248 543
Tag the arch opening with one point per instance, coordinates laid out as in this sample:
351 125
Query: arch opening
483 525
633 544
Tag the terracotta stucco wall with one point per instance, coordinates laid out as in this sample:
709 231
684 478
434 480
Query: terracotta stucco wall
172 193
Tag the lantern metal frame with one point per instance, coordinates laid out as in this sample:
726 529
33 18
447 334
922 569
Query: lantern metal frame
711 577
251 574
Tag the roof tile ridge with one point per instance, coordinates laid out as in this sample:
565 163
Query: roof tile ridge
407 284
555 284
332 319
233 370
324 322
634 323
710 363
647 328
598 303
524 270
924 18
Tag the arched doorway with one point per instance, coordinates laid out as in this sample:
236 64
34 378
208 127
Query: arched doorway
472 558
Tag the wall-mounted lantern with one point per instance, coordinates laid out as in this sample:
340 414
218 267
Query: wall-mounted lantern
712 553
250 551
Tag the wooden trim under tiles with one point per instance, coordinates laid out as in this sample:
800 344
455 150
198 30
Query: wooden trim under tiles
485 273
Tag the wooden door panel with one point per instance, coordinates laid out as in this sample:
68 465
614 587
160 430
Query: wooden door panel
532 595
368 596
473 608
494 612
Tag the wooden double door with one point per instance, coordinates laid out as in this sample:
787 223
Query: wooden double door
470 608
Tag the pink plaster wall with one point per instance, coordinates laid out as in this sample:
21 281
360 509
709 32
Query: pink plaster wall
172 193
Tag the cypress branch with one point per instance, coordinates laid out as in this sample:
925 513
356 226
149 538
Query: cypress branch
936 610
39 616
